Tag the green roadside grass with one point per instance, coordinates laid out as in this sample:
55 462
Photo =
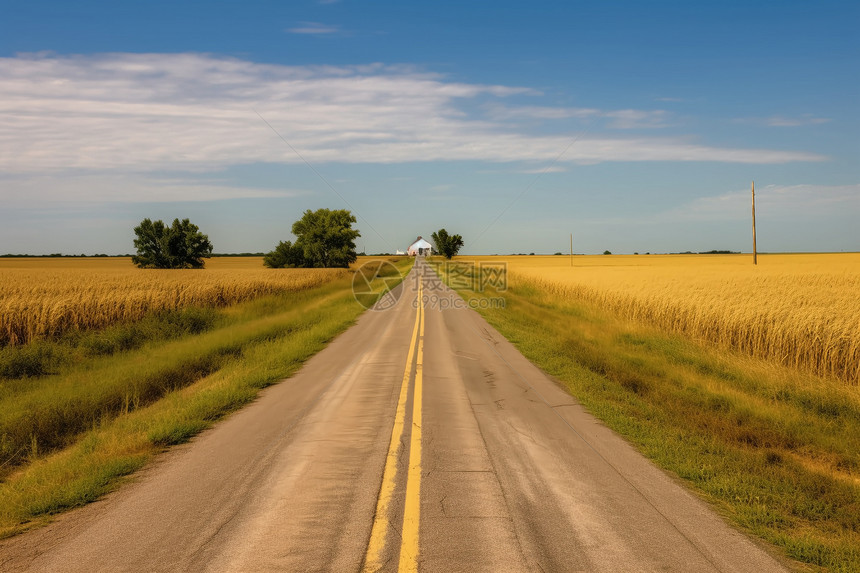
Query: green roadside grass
45 357
70 437
775 451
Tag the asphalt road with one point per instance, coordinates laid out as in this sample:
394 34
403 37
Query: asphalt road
420 439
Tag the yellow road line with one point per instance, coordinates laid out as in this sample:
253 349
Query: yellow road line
373 557
412 507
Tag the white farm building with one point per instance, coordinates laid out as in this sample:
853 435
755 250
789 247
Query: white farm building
420 248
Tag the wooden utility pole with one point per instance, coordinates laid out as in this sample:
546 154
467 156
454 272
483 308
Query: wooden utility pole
571 249
755 252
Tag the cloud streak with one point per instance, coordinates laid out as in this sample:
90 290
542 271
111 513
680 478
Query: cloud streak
96 188
616 119
196 112
783 121
773 202
314 28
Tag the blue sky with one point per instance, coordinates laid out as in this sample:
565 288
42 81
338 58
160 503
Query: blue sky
635 126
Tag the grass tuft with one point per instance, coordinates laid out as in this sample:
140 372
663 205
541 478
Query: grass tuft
37 359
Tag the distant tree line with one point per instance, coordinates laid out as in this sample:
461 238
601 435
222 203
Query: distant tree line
55 255
105 255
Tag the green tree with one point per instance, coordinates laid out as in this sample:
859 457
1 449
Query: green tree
326 238
286 255
179 246
447 245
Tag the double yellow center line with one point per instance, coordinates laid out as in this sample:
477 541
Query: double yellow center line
412 505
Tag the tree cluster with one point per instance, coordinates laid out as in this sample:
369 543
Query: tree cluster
324 239
447 245
178 246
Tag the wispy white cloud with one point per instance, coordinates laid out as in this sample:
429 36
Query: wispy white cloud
314 28
636 118
616 119
501 112
193 112
53 189
773 202
778 121
550 169
783 121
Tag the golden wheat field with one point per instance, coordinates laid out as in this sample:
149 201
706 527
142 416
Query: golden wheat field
42 297
801 310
